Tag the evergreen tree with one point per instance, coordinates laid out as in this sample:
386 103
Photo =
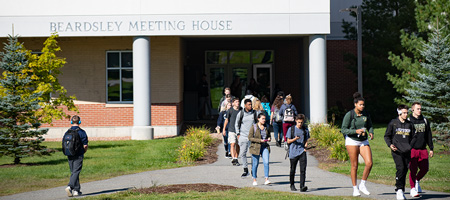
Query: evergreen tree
432 88
408 61
382 21
19 133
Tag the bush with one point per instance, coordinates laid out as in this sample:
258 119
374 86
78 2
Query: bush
194 144
330 137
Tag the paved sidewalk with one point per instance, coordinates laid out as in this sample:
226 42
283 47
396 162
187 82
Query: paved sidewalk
319 182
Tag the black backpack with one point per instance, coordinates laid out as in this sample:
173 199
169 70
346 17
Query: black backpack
71 142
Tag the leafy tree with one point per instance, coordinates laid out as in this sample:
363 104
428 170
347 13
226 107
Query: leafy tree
382 21
19 101
407 62
45 68
432 88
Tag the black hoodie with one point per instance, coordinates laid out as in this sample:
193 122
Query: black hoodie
400 134
423 133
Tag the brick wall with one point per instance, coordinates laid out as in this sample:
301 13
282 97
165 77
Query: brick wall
341 81
101 115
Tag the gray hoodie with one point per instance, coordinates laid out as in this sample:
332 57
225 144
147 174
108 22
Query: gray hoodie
247 122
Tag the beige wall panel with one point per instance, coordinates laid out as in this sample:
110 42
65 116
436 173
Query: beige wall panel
166 70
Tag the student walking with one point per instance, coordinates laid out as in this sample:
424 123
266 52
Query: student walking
244 122
259 135
220 126
398 138
357 128
226 92
230 121
419 153
276 120
76 160
287 112
297 137
257 106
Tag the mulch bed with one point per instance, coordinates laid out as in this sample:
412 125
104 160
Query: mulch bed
320 153
197 187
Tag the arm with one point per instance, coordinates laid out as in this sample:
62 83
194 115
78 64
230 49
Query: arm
346 127
370 126
429 138
294 109
224 126
238 131
281 111
388 137
252 135
288 136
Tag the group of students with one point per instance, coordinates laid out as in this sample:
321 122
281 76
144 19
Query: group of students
245 126
407 137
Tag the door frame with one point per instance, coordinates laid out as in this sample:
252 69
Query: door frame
269 66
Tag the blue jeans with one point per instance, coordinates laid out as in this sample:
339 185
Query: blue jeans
278 130
255 162
225 142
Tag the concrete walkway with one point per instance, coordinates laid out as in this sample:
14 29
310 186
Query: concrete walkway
319 182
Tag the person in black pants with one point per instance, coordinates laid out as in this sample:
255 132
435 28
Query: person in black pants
297 136
399 137
76 162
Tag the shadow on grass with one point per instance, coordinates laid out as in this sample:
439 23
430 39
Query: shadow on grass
107 191
106 146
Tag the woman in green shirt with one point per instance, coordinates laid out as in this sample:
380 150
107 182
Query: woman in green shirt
357 128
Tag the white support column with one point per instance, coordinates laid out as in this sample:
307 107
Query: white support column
318 78
142 129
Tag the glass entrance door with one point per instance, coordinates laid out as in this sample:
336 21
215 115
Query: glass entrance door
217 82
263 75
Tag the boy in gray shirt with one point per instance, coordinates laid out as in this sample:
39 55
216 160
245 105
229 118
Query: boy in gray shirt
245 120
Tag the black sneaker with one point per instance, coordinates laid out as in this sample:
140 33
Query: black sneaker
233 162
228 155
293 188
303 189
245 174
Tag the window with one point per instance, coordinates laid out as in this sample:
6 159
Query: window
119 76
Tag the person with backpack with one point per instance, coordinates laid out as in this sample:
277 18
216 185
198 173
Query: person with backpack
220 126
266 106
74 145
230 121
257 106
276 120
419 153
287 112
399 137
244 122
259 135
357 128
248 95
297 137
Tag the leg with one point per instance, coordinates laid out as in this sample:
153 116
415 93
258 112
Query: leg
293 168
243 144
366 153
400 165
353 152
285 129
265 155
423 164
413 165
77 165
303 163
225 143
255 163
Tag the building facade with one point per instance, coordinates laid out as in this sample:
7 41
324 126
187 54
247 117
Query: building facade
134 66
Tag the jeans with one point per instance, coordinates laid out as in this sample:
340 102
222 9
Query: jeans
278 131
75 164
244 144
255 162
302 160
225 142
286 126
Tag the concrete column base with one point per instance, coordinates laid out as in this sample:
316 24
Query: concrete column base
142 133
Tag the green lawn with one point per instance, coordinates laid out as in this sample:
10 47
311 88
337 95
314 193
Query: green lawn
104 159
383 170
242 193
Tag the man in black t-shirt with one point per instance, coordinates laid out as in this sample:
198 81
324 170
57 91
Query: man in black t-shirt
232 137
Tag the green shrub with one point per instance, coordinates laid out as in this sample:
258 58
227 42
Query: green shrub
194 144
330 136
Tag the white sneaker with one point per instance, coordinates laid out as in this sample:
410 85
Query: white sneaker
68 191
356 193
76 193
400 194
267 182
414 193
255 183
418 188
363 189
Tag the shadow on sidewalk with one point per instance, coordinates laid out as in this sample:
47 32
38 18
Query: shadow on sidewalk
107 191
423 195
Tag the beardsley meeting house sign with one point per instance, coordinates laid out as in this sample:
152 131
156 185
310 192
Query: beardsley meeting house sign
170 25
